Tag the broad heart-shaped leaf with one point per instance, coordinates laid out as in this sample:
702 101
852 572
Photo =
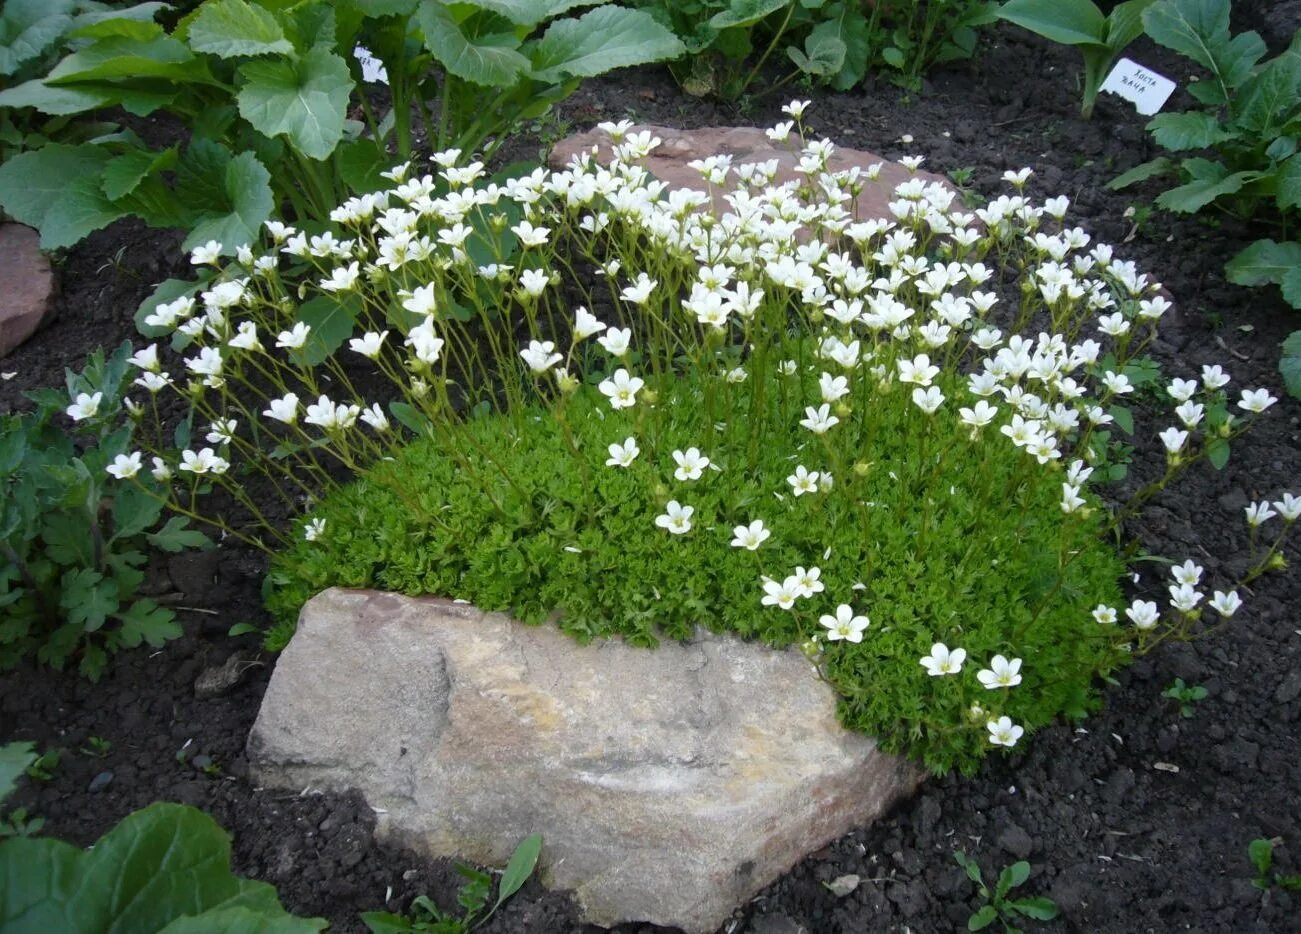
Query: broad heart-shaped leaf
1210 180
599 41
56 189
1193 129
332 321
306 101
1070 22
854 33
492 61
233 28
359 163
247 205
529 12
1289 365
1199 29
823 55
746 12
1263 263
28 28
158 865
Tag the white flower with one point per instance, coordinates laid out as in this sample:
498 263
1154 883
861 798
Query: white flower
1071 499
819 420
343 278
676 518
328 416
1143 614
1105 614
533 282
1181 390
375 418
1256 400
530 235
295 337
1173 439
917 370
1001 673
1117 383
314 529
585 324
622 455
1190 413
284 409
980 415
622 389
421 300
833 387
423 342
781 595
807 582
1214 377
1259 513
161 472
639 291
368 345
795 108
1289 507
206 254
222 431
153 381
1003 732
125 466
943 662
751 536
615 341
803 481
540 357
245 337
691 464
845 625
84 406
1184 598
781 132
202 462
1187 573
146 359
1226 604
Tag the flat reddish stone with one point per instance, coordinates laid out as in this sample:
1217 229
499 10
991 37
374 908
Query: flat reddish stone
669 161
26 285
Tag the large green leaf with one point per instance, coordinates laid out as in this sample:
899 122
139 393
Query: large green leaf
245 205
1289 365
746 12
1263 263
1199 29
599 41
1125 23
493 61
124 173
1288 179
332 321
306 101
118 58
1268 99
30 27
14 760
385 7
158 865
1193 129
822 57
56 189
529 12
234 28
54 101
1070 22
1209 180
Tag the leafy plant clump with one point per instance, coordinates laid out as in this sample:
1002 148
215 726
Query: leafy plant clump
998 903
885 440
73 541
166 867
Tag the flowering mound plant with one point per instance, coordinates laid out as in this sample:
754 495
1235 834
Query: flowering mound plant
610 406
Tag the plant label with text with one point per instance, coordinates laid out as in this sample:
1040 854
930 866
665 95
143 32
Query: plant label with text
372 69
1145 89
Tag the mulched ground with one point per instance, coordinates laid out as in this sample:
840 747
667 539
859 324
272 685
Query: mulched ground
1137 821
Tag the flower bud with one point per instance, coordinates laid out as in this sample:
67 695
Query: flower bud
650 396
843 409
1277 562
498 222
861 468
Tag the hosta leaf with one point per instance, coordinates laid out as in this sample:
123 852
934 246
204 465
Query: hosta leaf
386 7
599 41
493 60
746 12
1070 22
1289 365
246 187
1125 23
306 101
1193 129
1264 262
232 28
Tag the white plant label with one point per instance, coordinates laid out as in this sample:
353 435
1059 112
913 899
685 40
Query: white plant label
372 69
1145 89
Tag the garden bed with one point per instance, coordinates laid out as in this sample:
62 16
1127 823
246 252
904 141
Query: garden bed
1137 820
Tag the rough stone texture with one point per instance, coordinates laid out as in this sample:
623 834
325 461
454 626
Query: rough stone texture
669 161
26 285
669 785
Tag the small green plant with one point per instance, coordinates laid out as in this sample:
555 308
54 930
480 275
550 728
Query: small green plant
72 539
16 759
1186 696
1101 38
18 823
96 747
45 765
998 906
472 899
1261 853
164 867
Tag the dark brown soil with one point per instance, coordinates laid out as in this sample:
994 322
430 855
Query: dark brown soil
1138 821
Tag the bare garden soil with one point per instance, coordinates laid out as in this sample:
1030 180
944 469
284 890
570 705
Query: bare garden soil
1138 819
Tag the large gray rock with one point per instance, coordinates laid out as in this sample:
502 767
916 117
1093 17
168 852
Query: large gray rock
26 285
669 785
670 161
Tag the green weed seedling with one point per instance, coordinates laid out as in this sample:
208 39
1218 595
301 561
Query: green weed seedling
97 747
1261 853
18 823
428 918
998 907
44 766
1185 696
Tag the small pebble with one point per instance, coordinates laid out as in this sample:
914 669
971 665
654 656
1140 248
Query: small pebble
100 781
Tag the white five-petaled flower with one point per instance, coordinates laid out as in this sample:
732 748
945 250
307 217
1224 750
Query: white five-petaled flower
84 406
205 254
928 400
314 529
343 278
533 282
1289 507
1173 439
832 387
1188 573
795 108
540 356
1003 732
781 595
125 466
1105 614
146 359
803 481
819 420
1184 597
941 661
1001 673
639 291
245 338
615 341
284 409
979 415
691 463
622 455
161 471
751 536
374 417
204 461
327 415
1258 513
368 345
808 581
1143 614
622 389
676 518
1226 604
586 324
845 624
1256 400
295 337
918 370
